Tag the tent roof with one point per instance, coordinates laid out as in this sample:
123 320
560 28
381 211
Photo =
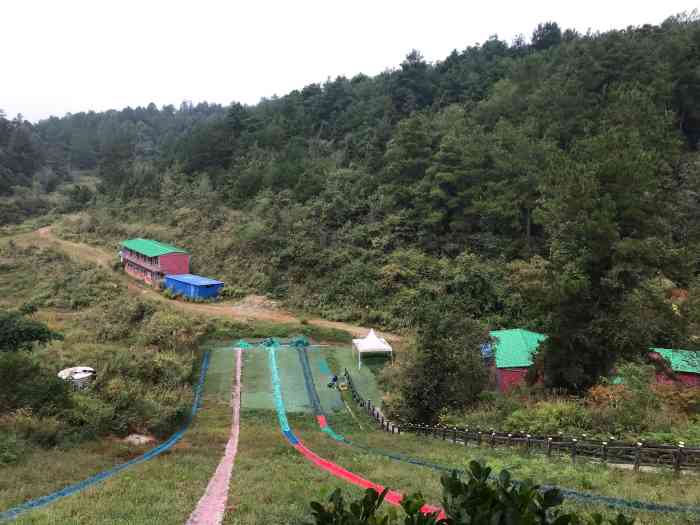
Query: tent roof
196 280
680 360
514 348
372 343
150 248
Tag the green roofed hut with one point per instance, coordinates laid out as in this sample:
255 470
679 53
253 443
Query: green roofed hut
685 365
513 352
151 261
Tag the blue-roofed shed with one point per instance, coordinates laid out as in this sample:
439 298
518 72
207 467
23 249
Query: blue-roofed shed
193 286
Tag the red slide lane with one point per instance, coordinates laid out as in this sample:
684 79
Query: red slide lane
212 506
392 496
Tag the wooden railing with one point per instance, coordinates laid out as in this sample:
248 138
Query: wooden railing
638 454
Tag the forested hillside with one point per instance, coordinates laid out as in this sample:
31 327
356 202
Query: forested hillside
22 157
551 184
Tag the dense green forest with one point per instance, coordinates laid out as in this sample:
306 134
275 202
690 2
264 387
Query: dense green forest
552 183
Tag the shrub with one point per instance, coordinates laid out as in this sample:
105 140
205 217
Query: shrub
169 331
480 500
550 417
26 385
11 448
121 318
228 292
43 431
29 308
20 333
89 415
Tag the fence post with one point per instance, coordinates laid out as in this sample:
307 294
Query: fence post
478 438
637 457
605 451
509 440
444 433
574 444
527 442
454 435
466 436
678 457
549 447
493 439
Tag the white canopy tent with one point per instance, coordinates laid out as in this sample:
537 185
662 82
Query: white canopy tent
372 344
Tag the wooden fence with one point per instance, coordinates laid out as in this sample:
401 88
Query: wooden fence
678 456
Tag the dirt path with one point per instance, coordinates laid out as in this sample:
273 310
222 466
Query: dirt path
79 251
252 308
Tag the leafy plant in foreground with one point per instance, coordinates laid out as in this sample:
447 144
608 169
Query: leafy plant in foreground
480 500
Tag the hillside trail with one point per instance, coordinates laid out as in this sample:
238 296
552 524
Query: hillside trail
251 308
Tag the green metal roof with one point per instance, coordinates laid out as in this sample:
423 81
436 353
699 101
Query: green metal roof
151 248
681 360
514 348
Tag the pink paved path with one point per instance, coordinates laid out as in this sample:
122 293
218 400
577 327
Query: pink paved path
212 506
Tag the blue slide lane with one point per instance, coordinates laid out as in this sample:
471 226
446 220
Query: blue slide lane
43 501
323 367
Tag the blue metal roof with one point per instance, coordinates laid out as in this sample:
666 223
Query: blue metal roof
196 280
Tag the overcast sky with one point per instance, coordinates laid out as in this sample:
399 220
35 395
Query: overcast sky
62 56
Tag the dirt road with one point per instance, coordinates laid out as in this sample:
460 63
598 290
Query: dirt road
251 308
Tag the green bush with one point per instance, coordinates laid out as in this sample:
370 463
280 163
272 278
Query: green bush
170 331
169 294
19 333
480 500
25 384
12 448
89 415
550 417
121 318
46 432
